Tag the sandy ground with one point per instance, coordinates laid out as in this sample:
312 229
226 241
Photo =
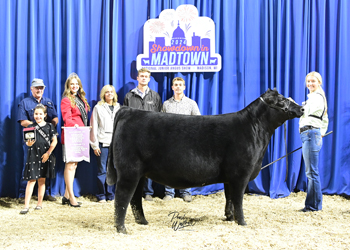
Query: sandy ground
272 224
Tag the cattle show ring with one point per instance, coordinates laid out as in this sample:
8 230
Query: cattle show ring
175 124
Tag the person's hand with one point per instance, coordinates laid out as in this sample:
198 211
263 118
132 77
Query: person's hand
76 125
30 142
97 152
45 157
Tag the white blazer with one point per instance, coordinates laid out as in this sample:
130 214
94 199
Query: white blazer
102 125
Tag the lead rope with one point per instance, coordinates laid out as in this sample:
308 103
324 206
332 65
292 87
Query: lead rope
289 154
285 146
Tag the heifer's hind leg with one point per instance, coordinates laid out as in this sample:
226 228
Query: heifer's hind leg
229 205
124 190
136 204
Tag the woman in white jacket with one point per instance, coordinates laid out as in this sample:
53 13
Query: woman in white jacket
313 126
101 136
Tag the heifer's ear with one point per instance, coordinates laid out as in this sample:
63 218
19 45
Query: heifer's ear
269 100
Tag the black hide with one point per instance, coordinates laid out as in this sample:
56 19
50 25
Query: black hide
189 151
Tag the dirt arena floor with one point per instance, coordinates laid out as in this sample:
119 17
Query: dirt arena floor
272 224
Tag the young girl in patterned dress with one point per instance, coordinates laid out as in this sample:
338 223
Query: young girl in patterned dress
40 163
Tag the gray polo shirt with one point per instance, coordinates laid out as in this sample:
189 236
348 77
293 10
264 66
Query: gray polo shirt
185 106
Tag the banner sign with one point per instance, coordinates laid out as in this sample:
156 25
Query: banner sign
76 141
179 41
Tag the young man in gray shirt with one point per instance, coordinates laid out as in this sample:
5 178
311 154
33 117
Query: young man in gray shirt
179 104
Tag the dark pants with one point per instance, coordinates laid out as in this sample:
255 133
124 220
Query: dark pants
171 191
105 192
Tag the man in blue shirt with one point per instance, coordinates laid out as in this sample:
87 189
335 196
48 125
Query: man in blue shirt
26 117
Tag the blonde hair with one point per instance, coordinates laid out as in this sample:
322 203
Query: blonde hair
81 91
177 79
319 78
103 92
143 70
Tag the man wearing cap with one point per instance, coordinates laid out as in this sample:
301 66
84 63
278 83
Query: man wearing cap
26 117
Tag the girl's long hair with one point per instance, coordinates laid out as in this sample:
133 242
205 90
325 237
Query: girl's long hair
319 78
81 91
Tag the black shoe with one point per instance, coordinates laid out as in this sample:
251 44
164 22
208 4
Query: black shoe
79 204
65 201
306 210
49 198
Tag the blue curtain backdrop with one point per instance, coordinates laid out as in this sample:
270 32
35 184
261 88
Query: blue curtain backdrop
263 44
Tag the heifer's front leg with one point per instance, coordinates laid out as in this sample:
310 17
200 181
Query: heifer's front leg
237 192
229 205
136 204
124 190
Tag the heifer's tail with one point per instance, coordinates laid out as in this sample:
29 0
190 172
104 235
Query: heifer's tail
111 170
111 178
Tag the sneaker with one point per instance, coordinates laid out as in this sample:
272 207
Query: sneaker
148 197
102 201
187 198
167 198
24 210
49 198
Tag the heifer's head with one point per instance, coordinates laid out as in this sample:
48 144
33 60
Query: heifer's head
284 105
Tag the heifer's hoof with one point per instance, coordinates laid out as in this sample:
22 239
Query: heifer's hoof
230 218
242 223
141 221
121 229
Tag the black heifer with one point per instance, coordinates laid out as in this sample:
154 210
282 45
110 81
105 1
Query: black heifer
190 151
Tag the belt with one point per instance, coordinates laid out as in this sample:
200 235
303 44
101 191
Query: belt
308 127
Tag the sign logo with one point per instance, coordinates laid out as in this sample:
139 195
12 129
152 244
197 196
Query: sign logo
179 41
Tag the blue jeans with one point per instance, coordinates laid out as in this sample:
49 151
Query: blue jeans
312 144
148 189
105 192
171 191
